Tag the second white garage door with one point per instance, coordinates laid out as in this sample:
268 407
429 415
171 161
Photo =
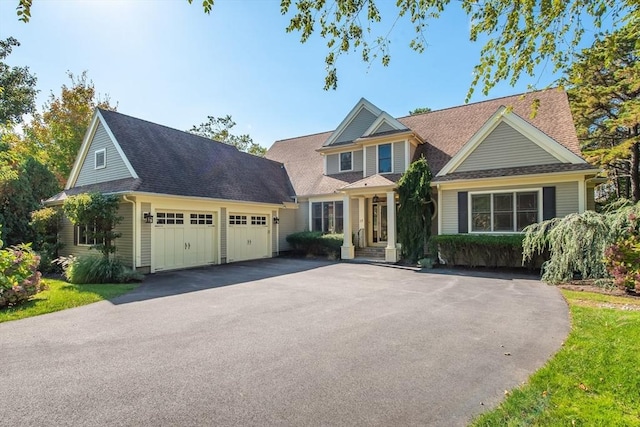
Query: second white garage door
248 237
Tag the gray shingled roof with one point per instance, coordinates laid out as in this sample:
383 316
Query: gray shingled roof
169 161
444 131
517 171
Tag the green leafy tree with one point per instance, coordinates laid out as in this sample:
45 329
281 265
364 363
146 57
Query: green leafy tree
24 183
419 110
54 136
17 87
99 212
414 214
605 100
46 224
219 129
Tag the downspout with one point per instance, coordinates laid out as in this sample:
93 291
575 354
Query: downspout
134 220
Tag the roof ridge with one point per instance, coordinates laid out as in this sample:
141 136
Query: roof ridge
165 126
480 102
303 136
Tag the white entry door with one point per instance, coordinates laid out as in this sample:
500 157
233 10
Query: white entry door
248 237
184 239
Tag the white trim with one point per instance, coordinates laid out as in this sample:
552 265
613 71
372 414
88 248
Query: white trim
582 195
82 152
364 162
378 158
340 161
532 133
363 103
562 176
382 118
117 145
440 209
324 164
86 143
95 158
407 154
537 190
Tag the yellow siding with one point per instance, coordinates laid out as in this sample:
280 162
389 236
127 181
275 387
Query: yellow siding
145 238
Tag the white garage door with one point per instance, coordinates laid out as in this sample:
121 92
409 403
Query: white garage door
184 239
248 237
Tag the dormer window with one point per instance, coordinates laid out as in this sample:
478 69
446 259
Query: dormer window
346 161
384 158
100 158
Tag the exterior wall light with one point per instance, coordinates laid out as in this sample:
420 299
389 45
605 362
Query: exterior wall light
148 218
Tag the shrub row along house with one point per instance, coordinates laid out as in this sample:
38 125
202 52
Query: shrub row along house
189 201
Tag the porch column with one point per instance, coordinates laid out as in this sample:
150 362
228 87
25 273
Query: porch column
362 237
391 252
347 251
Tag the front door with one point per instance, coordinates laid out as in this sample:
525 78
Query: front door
379 218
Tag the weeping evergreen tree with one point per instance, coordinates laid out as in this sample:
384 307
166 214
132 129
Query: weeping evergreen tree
577 242
414 214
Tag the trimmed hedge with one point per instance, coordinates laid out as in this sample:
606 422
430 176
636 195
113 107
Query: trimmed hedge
480 249
316 243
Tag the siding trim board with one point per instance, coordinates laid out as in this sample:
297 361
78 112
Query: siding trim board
383 118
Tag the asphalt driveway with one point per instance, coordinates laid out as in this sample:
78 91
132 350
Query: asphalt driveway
283 342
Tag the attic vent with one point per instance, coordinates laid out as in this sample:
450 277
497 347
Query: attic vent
101 158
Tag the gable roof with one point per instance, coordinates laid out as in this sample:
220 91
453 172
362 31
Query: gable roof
305 165
533 134
170 161
336 137
444 132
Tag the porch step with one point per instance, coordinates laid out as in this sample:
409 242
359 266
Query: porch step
370 253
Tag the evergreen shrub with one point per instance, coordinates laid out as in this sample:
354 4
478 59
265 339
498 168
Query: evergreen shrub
316 243
480 249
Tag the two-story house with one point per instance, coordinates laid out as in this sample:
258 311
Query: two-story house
189 201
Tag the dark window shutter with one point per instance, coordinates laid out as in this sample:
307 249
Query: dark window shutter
75 235
463 212
548 202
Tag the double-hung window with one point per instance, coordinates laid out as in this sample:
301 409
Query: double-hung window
346 161
85 235
384 158
503 212
100 158
327 217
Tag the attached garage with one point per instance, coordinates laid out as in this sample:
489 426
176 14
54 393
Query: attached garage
248 237
184 239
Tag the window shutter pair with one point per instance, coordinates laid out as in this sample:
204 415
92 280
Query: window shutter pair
548 207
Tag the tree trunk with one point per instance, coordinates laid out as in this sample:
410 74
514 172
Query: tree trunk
635 171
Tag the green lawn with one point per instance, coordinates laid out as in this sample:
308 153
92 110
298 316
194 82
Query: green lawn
594 380
62 295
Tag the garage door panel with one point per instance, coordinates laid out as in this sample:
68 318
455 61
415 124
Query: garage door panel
248 237
184 239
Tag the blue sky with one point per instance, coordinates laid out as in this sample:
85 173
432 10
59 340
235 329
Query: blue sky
168 62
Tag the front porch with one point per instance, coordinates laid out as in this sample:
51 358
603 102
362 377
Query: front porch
369 218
